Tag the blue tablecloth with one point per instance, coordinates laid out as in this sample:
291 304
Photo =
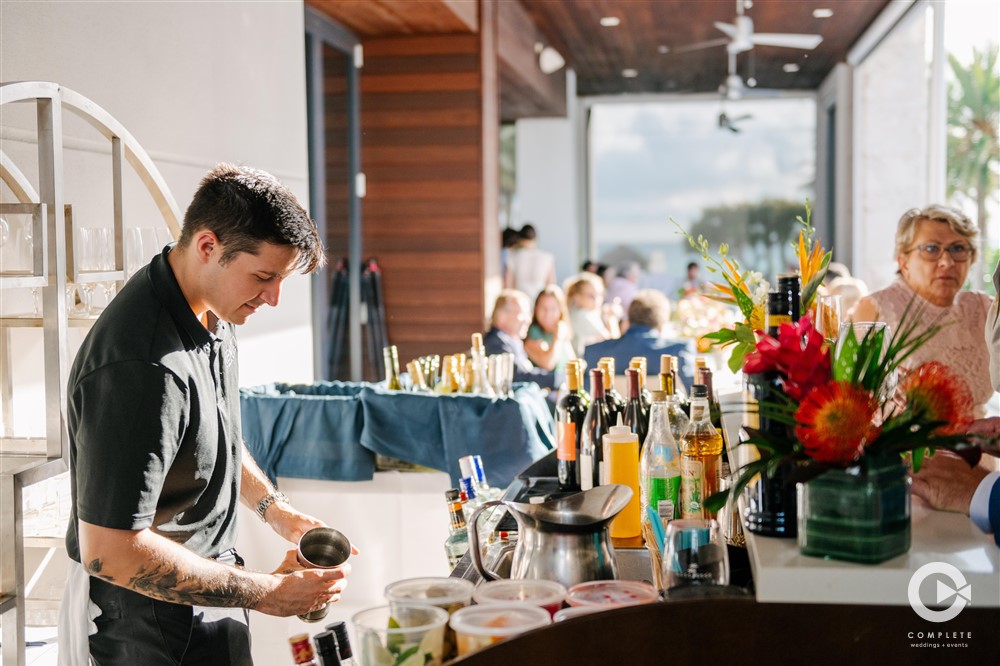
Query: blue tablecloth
332 430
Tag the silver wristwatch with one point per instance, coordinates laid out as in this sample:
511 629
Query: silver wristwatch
270 499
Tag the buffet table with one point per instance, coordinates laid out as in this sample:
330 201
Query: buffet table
333 430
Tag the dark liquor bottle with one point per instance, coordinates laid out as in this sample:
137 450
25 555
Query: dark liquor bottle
634 417
570 414
595 427
777 312
790 287
639 363
326 647
343 642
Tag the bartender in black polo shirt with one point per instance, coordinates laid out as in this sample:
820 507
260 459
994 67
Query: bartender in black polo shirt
157 461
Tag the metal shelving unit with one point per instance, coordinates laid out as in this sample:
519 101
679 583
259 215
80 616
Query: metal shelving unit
52 265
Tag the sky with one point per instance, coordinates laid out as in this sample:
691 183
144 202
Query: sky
653 161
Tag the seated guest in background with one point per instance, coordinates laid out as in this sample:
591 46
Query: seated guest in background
947 482
508 325
692 282
590 320
934 249
647 316
550 339
624 285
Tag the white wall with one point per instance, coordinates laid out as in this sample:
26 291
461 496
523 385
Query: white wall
546 185
196 84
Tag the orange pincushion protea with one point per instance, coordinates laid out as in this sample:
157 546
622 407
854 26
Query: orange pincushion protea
939 394
836 422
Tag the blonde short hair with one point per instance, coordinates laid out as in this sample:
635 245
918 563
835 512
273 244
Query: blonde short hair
953 217
575 286
506 297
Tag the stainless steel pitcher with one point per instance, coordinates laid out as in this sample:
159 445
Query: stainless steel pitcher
565 540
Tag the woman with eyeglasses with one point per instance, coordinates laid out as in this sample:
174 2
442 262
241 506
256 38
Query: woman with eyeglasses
934 249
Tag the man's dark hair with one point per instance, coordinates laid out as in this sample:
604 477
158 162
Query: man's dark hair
245 207
509 236
527 232
650 308
693 264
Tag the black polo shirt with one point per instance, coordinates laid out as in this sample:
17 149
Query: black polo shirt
154 420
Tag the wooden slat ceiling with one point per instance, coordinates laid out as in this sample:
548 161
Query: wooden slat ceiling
599 54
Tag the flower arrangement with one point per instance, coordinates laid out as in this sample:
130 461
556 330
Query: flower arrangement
748 289
846 410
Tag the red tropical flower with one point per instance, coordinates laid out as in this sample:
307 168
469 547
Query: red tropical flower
939 394
797 353
836 421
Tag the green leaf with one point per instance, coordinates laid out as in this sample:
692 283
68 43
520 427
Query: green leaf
745 334
918 458
722 336
739 354
742 300
847 357
406 654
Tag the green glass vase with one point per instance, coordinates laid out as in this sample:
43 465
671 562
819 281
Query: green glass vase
858 515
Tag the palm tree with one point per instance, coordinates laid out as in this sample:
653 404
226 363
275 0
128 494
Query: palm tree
973 119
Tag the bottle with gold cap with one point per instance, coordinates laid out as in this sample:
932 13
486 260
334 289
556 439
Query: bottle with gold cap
480 383
614 399
391 357
302 650
418 384
676 416
639 363
570 413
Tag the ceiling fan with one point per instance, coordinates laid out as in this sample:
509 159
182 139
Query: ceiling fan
740 36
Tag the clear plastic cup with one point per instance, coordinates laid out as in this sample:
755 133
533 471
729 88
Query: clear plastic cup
477 627
404 634
545 594
611 593
449 594
577 611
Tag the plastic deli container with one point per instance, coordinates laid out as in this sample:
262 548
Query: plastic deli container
447 593
477 627
577 611
545 594
403 634
611 593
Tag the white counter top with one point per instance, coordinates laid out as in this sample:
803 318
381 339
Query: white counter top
782 574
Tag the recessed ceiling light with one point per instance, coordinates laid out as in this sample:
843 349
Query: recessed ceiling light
790 67
822 12
630 73
663 48
610 21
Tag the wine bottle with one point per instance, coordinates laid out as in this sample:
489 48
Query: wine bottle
701 453
570 414
595 426
676 415
614 399
480 383
343 642
326 648
634 418
639 363
302 650
659 464
391 357
790 287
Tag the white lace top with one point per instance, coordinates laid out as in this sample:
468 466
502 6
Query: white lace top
960 345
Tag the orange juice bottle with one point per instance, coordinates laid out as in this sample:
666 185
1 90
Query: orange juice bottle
621 450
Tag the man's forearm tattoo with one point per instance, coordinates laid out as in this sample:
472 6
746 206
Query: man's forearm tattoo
164 581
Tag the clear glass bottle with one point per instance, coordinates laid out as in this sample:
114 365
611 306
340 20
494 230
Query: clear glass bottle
701 458
570 414
480 383
659 462
391 357
418 384
595 426
457 543
676 415
669 366
443 384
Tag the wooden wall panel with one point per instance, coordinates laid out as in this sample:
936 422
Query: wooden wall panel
422 152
